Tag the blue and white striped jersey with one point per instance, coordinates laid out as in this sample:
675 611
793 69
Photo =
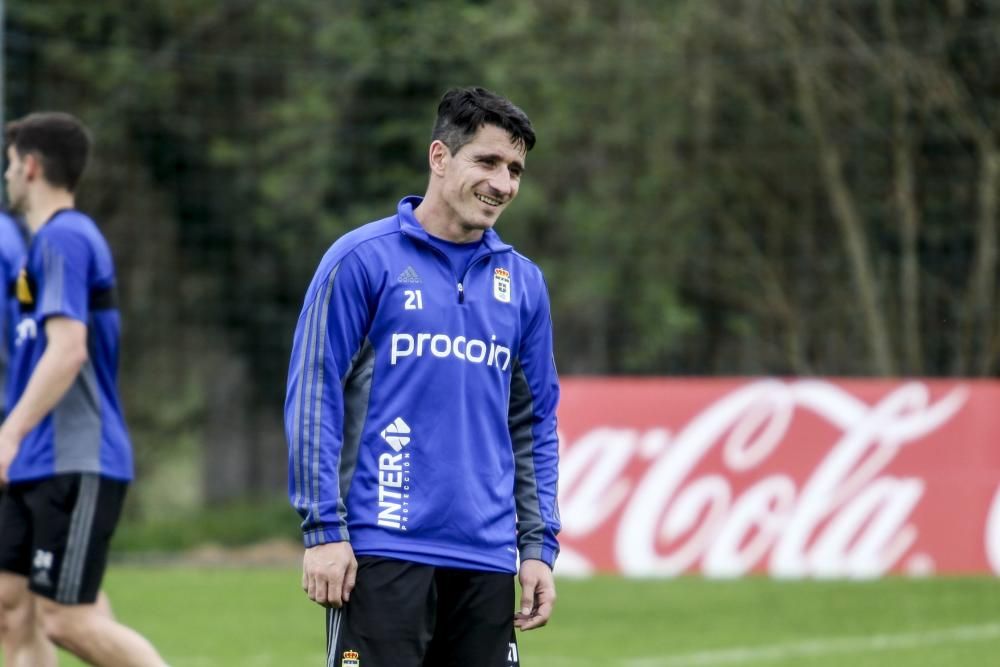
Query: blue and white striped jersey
421 404
70 273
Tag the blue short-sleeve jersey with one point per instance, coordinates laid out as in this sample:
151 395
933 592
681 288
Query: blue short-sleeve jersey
70 273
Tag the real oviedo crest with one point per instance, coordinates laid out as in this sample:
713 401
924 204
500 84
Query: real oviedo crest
501 285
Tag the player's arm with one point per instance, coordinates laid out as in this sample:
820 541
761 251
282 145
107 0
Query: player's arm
330 332
59 262
532 423
64 356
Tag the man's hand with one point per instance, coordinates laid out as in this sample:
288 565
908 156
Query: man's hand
8 450
328 573
538 595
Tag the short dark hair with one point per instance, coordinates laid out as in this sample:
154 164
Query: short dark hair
60 141
463 111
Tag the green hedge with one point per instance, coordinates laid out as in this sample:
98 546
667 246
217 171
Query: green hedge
234 524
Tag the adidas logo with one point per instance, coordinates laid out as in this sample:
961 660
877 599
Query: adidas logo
409 276
396 434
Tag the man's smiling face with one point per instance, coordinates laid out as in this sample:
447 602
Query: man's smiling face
482 178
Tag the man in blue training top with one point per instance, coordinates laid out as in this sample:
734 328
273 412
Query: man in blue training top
65 455
420 415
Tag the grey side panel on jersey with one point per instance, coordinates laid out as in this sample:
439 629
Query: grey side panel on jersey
80 527
357 384
76 421
520 418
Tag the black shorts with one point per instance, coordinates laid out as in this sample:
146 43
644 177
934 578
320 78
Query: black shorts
57 531
405 614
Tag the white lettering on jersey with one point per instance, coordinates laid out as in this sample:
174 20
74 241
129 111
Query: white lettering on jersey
27 329
394 477
441 346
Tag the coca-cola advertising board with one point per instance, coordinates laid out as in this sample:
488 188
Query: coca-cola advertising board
791 478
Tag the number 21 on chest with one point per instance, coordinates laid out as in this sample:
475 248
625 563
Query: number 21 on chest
414 299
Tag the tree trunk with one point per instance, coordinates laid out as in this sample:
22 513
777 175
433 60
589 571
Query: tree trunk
844 209
982 280
904 193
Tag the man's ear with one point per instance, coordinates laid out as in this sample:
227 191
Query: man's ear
438 156
32 166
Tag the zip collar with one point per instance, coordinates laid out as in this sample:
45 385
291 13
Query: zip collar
410 226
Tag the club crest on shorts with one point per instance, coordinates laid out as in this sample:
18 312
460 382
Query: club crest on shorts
501 285
351 659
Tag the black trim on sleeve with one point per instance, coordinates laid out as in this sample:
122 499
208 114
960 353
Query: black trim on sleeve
103 298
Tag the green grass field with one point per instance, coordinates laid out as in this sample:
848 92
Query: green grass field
260 618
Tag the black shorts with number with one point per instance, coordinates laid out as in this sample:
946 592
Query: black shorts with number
404 614
57 531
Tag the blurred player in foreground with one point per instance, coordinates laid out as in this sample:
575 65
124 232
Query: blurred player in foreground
64 450
420 415
19 608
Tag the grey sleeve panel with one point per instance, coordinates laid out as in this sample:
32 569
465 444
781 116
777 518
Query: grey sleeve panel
357 384
54 266
520 419
314 414
76 421
296 443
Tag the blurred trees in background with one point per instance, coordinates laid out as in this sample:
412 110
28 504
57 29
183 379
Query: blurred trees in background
719 186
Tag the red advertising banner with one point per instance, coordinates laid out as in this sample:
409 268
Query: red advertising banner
790 478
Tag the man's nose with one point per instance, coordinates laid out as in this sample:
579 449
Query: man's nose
502 183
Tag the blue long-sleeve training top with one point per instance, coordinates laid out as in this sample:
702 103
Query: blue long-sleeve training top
421 404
